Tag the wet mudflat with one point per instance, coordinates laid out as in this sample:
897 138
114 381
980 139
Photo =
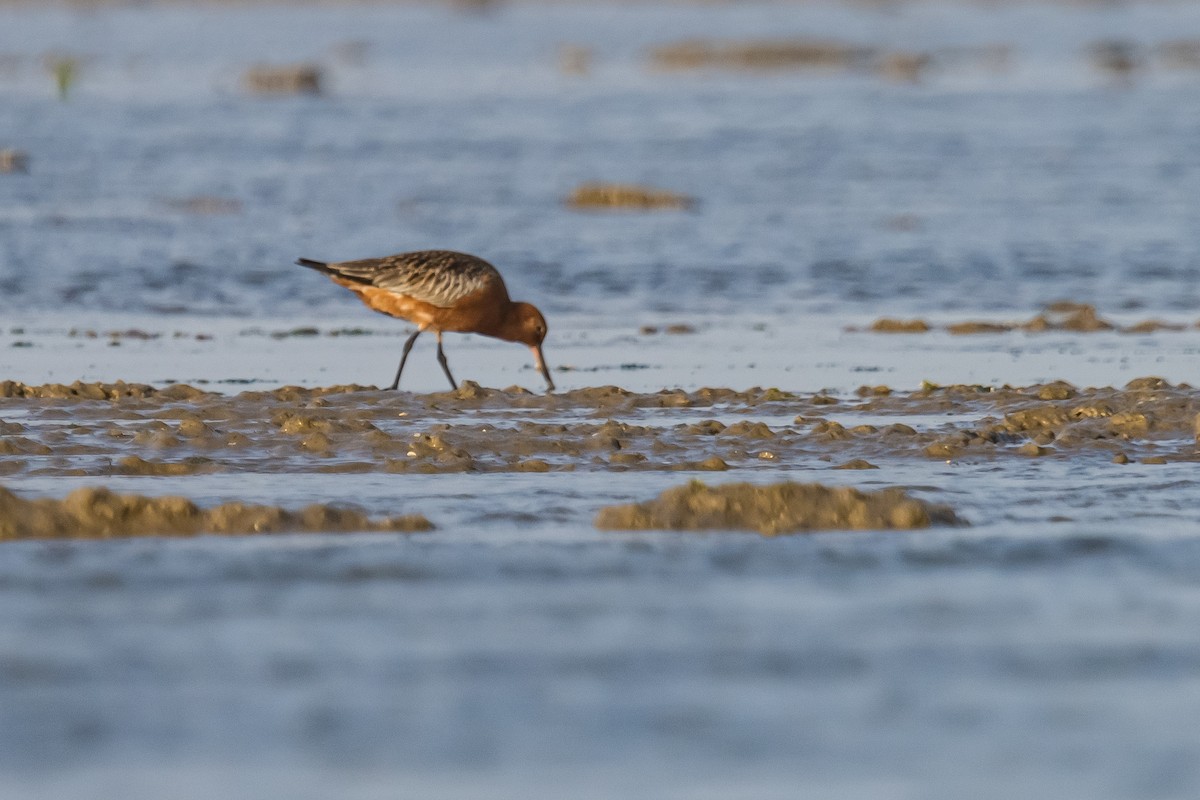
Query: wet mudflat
137 429
939 254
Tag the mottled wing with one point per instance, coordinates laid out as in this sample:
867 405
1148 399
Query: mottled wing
437 277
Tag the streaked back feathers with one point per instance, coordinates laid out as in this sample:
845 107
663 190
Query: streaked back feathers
437 277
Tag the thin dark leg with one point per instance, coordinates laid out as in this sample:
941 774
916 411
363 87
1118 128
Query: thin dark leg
407 346
442 361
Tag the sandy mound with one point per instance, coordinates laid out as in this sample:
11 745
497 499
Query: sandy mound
774 509
625 195
760 54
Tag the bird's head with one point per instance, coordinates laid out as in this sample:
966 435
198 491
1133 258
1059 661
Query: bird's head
527 326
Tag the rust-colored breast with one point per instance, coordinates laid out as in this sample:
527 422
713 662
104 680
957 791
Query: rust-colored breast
481 311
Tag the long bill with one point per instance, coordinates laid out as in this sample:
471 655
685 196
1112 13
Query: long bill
540 360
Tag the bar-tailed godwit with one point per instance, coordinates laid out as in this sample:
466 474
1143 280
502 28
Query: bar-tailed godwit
442 291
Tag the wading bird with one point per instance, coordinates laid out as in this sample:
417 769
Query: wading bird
442 291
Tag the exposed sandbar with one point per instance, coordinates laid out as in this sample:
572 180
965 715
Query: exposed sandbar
1063 316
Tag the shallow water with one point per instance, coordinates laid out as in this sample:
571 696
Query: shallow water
980 187
1050 647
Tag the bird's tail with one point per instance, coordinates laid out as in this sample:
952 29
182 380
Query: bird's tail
343 270
319 266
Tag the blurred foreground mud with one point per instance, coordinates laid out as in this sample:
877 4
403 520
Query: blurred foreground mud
100 514
776 509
